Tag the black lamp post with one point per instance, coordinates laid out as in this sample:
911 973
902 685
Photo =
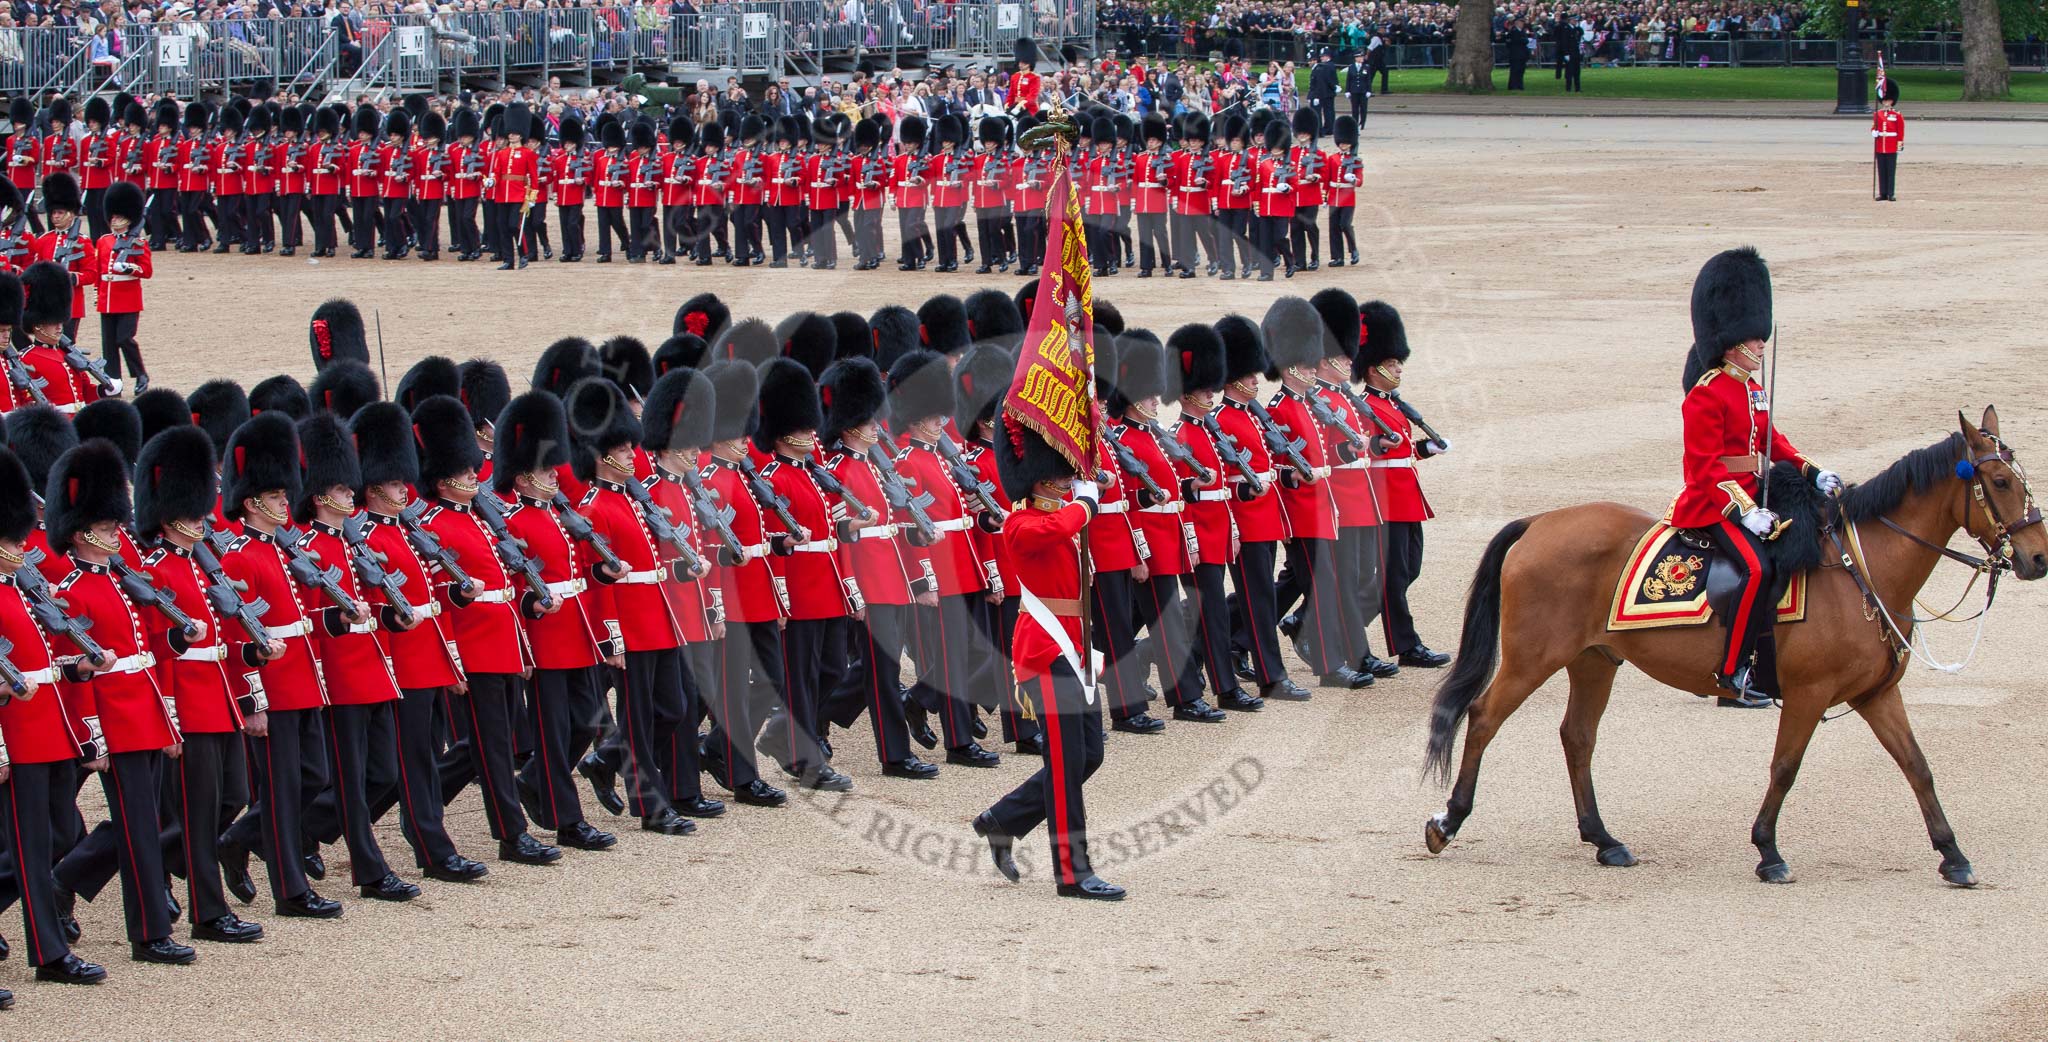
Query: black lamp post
1852 77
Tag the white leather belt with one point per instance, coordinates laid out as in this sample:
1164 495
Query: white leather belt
296 629
1404 463
955 524
1211 495
426 611
45 675
217 653
1116 507
1267 477
368 625
503 596
646 578
571 588
70 407
748 553
132 664
876 532
1174 507
816 546
1357 464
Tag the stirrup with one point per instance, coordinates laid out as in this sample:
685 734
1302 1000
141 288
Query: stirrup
1743 692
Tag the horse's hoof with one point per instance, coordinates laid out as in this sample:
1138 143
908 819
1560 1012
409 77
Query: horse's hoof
1617 856
1774 872
1434 835
1960 874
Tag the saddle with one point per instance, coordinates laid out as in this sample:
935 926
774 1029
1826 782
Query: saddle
1678 577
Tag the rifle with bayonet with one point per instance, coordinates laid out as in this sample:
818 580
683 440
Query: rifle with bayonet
512 549
430 549
370 565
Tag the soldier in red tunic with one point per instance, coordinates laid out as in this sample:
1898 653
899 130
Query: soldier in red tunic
1044 535
514 174
86 507
424 658
1888 139
488 633
47 301
1382 349
1195 360
1730 444
905 177
1360 546
1025 83
123 263
39 748
66 245
176 494
979 383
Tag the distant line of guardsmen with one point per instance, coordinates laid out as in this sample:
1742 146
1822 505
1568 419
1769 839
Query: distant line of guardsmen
1239 196
267 618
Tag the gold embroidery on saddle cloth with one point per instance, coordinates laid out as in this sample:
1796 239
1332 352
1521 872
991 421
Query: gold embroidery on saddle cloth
1674 576
1664 584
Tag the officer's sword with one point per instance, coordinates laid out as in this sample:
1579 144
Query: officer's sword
1763 480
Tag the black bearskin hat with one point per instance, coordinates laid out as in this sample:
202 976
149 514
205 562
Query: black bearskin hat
428 377
1731 304
681 132
433 127
993 317
1025 51
1295 335
920 387
980 382
599 420
678 412
1107 316
1306 121
336 333
942 324
39 434
344 387
992 129
88 485
852 393
1340 316
571 130
1232 129
1197 351
60 192
330 455
788 402
282 393
1023 459
518 120
219 407
533 434
1244 348
749 341
640 134
1891 90
263 456
124 199
809 338
911 132
98 112
160 409
866 134
1152 128
952 130
484 390
894 330
327 121
466 123
624 361
10 285
611 134
1195 128
681 351
710 137
1382 337
752 128
46 295
175 480
17 498
1346 133
1026 295
734 386
115 420
1140 371
385 449
398 126
564 363
852 337
292 120
1275 136
1102 129
365 120
447 442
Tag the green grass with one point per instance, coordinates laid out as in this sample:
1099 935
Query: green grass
1773 83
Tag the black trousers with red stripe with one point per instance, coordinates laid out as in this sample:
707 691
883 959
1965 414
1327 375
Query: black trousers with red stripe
1123 683
748 647
1754 613
362 751
1167 645
1314 563
1073 750
417 788
682 768
35 795
1207 603
194 787
551 704
944 641
1401 561
873 681
136 840
651 710
274 825
483 721
1358 575
803 677
1255 611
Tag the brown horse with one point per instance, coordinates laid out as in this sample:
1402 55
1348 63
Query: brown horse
1540 600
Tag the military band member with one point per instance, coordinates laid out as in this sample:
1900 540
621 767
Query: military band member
85 508
895 571
209 681
753 610
42 745
123 260
424 659
1044 536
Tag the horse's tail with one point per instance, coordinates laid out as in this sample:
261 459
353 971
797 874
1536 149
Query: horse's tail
1478 652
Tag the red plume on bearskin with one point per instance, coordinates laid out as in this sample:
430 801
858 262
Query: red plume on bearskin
336 334
735 386
788 403
1023 459
811 339
749 341
993 317
88 485
1382 337
678 412
262 456
1339 311
564 363
1198 353
942 324
703 315
894 330
533 434
853 392
175 479
344 387
681 351
219 407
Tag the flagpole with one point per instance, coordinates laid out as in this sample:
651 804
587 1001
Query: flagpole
1062 148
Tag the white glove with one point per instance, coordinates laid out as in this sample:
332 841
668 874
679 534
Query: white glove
1088 490
1828 482
1759 521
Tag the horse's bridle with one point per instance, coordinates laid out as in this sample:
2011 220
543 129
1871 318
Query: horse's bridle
1997 543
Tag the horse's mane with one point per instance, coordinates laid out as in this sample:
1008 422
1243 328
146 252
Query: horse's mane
1794 497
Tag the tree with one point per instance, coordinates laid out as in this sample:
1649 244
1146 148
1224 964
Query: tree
1986 76
1471 66
1985 24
